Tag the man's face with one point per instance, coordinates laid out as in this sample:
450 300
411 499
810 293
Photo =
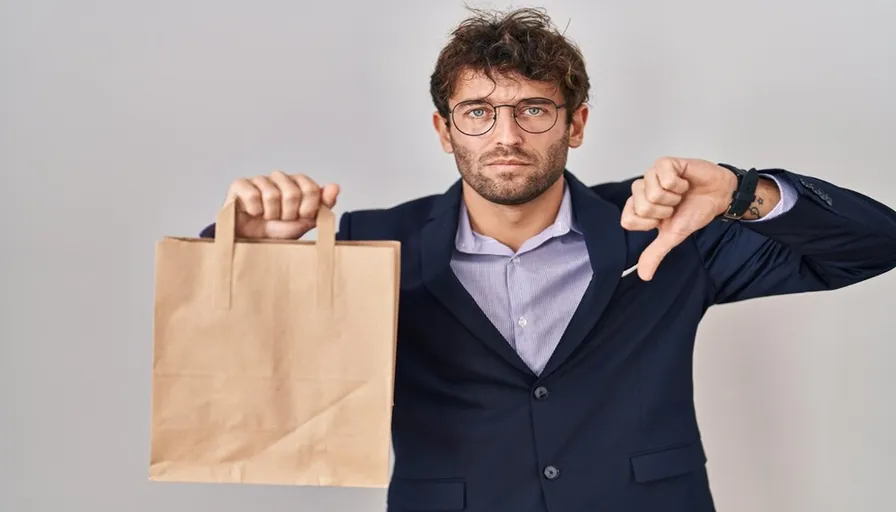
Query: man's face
508 165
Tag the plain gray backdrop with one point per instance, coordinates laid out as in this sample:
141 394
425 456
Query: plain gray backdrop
124 121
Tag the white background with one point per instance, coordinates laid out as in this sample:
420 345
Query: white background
124 121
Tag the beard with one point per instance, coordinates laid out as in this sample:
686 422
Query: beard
511 188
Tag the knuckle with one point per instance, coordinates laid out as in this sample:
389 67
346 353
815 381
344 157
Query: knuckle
662 162
309 200
640 209
253 205
290 196
303 178
251 195
270 195
240 187
654 195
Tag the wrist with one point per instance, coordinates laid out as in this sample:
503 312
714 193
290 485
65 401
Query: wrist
730 188
740 189
766 198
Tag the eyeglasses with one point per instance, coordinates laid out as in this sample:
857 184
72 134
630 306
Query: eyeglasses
477 117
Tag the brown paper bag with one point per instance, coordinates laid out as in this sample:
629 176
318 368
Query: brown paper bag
273 360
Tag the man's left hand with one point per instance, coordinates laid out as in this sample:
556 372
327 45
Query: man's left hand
676 196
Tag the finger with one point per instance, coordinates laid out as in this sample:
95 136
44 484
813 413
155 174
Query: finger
670 176
247 197
310 197
290 195
654 254
643 207
679 165
656 193
633 222
270 196
328 194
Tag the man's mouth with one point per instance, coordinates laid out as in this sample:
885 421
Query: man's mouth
508 162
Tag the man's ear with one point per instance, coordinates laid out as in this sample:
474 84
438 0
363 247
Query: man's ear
577 127
441 126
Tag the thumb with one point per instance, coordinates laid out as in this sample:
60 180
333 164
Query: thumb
328 194
654 254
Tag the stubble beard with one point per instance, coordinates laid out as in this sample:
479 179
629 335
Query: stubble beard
505 188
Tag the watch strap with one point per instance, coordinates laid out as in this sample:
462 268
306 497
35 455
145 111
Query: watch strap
744 194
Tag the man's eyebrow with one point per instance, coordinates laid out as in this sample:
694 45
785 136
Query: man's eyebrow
485 99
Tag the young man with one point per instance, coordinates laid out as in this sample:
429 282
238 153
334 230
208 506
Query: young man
547 327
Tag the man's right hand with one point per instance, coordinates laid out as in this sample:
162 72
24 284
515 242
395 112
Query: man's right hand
278 206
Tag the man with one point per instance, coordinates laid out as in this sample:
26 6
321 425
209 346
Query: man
547 327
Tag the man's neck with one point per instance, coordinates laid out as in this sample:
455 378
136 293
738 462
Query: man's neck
513 225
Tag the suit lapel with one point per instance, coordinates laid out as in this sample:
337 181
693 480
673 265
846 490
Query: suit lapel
607 249
438 238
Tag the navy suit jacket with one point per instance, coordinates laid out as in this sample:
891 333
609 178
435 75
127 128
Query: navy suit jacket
610 424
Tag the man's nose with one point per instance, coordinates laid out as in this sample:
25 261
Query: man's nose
506 130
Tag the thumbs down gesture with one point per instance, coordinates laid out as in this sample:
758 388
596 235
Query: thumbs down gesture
676 196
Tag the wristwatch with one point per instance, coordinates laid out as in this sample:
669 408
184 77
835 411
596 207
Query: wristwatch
744 194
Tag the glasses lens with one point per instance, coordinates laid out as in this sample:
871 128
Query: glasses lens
537 115
473 117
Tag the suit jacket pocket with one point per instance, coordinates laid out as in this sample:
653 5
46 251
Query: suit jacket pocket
426 495
668 462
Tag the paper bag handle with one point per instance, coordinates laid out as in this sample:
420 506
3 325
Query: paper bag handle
225 229
326 255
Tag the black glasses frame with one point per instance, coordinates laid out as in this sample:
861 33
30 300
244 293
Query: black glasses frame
495 119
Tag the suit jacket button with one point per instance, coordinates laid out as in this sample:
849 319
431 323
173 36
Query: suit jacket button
541 393
551 473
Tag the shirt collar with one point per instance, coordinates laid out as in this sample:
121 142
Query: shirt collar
468 241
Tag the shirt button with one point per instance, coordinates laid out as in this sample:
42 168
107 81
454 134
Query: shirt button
551 473
522 321
541 393
515 260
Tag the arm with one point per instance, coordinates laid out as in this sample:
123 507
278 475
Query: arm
831 237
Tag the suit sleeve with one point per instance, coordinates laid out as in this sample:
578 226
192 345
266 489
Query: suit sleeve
832 237
343 231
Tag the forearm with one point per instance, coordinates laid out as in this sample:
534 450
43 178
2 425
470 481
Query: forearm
827 237
839 231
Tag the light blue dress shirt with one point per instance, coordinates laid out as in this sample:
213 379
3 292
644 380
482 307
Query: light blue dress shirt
530 295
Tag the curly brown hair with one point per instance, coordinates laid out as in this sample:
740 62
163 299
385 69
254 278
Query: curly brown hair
522 41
